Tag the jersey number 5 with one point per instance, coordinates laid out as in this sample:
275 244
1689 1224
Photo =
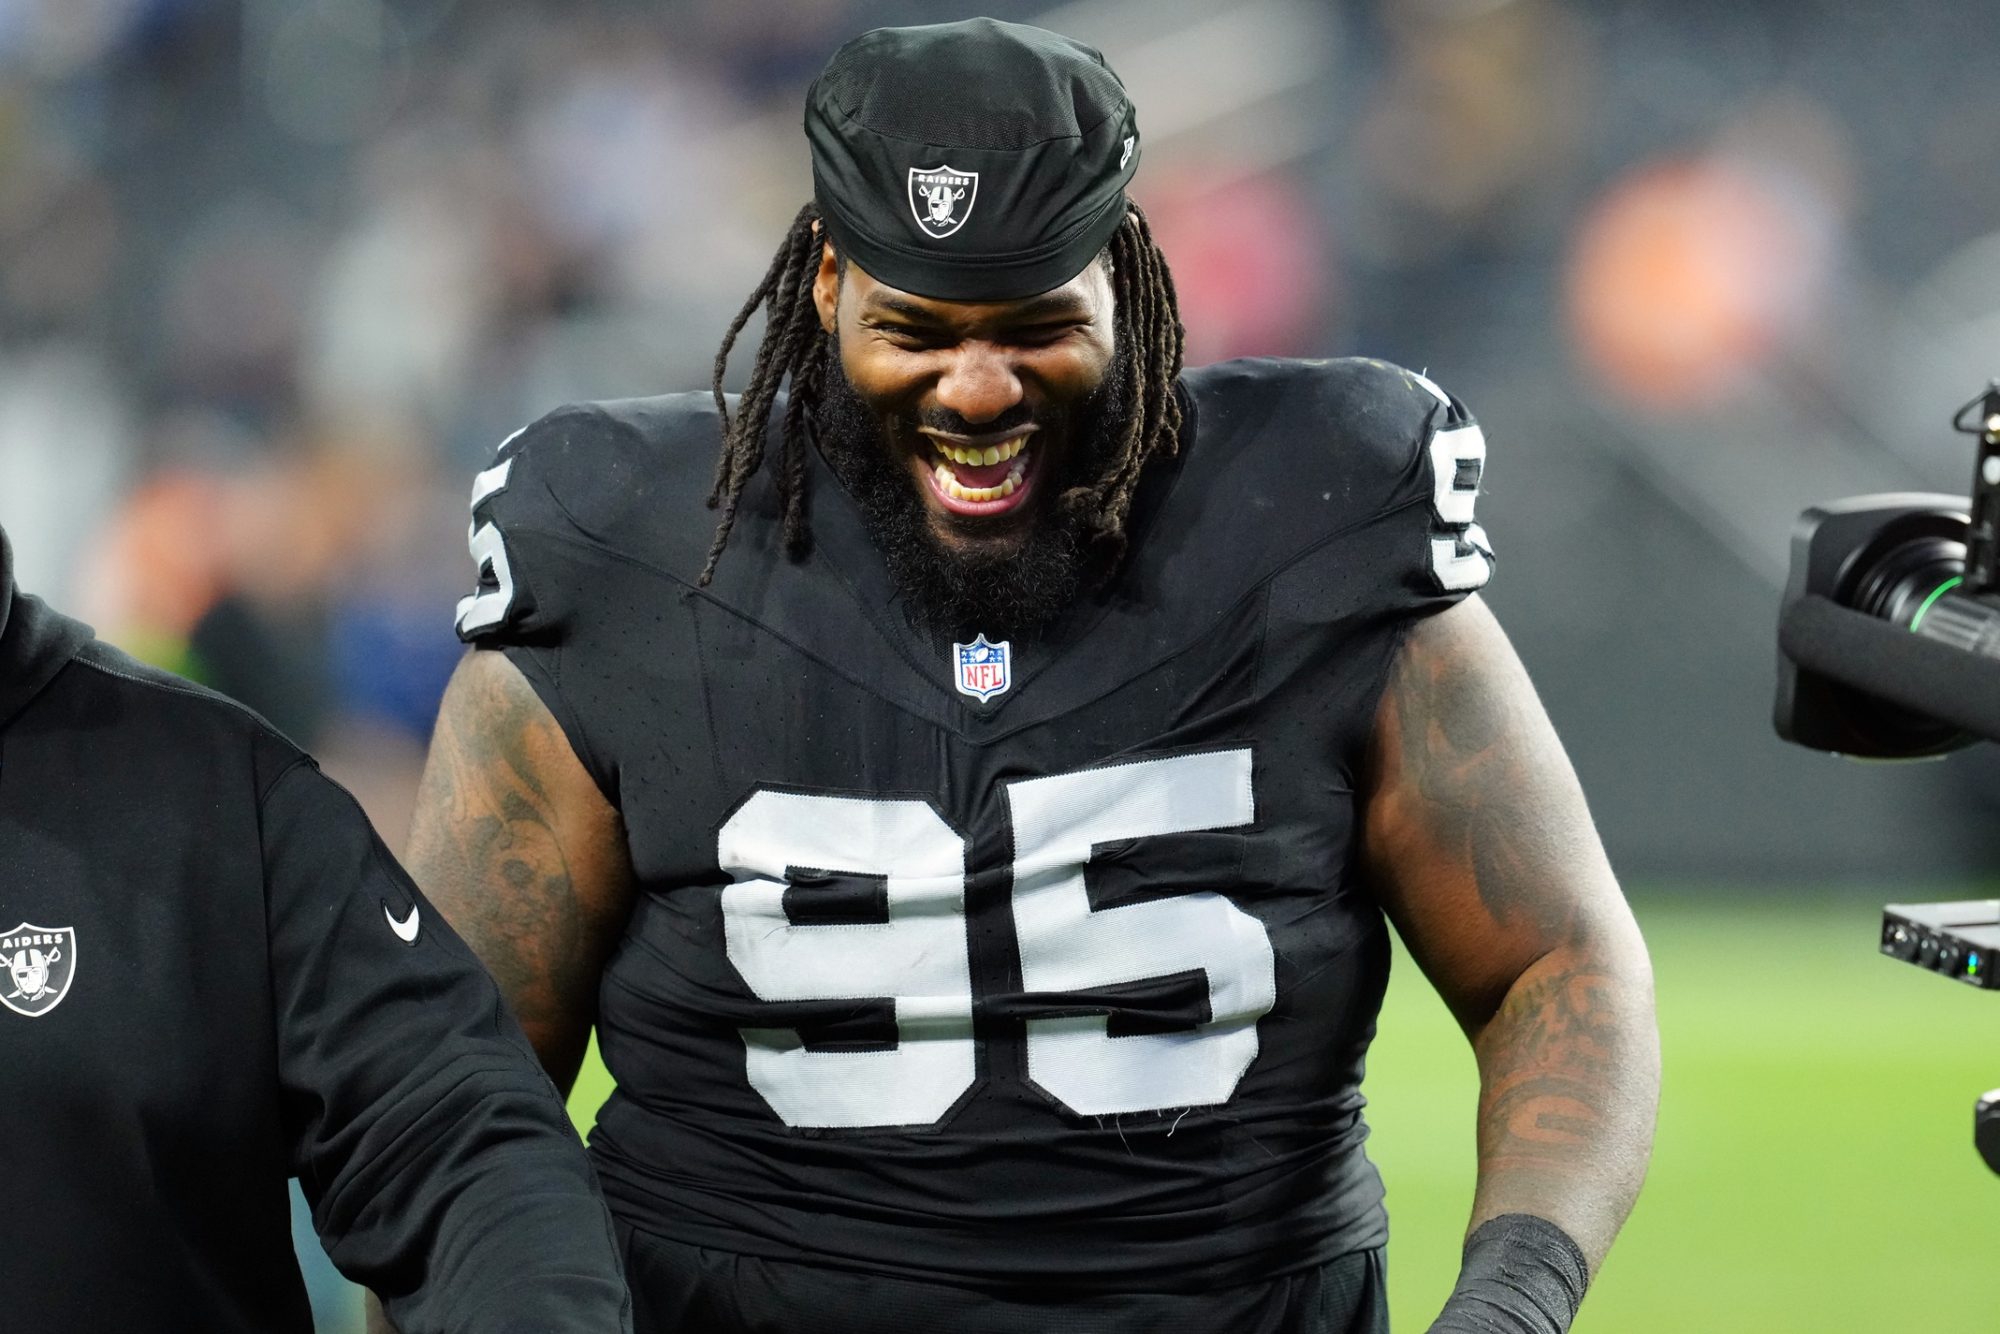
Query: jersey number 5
916 954
489 606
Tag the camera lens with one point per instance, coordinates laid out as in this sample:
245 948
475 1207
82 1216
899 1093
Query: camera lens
1899 584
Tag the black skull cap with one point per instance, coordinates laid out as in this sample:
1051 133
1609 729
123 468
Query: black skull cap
971 161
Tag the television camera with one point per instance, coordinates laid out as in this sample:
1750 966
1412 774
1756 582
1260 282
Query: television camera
1889 648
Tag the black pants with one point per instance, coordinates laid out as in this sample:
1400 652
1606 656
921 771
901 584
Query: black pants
680 1289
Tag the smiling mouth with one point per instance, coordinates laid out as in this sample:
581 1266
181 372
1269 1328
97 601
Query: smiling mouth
978 477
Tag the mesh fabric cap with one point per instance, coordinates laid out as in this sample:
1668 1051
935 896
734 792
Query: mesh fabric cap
973 161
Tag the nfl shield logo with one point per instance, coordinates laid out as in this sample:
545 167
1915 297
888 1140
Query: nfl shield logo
37 964
941 199
984 670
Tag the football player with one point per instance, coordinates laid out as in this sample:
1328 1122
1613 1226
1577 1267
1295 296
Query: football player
975 850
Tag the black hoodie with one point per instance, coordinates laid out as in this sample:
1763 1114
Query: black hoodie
213 977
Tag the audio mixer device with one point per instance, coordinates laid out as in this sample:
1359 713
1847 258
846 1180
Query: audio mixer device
1960 940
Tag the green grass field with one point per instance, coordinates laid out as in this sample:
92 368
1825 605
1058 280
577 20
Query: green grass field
1814 1169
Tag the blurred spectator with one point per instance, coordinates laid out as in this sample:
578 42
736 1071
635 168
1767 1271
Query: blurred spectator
1476 127
1690 273
1250 262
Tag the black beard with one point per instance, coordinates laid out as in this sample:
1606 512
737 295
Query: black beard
959 593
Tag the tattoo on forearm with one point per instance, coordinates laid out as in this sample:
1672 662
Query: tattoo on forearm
1569 1074
1552 1049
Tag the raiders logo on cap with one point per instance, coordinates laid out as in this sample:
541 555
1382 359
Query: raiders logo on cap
941 198
37 965
1032 120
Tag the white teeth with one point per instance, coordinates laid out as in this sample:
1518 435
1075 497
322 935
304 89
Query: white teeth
982 457
948 481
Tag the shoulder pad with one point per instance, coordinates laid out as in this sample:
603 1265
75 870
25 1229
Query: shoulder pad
587 486
1435 450
1354 441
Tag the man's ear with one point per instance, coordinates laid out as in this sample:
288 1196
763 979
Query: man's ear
826 286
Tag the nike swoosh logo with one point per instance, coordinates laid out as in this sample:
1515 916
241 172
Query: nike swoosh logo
406 930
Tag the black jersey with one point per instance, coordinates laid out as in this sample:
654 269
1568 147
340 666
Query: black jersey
212 977
1038 963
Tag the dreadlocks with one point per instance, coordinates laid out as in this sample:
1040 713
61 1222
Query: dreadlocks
1148 323
791 346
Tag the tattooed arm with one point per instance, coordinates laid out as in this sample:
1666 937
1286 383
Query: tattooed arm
517 847
1484 857
513 842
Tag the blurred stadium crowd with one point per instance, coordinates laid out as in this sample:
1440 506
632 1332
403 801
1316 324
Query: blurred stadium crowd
277 275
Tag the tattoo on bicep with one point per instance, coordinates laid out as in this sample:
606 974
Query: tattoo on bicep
1477 802
502 865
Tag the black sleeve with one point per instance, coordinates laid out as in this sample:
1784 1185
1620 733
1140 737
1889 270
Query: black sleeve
558 492
441 1167
1419 455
